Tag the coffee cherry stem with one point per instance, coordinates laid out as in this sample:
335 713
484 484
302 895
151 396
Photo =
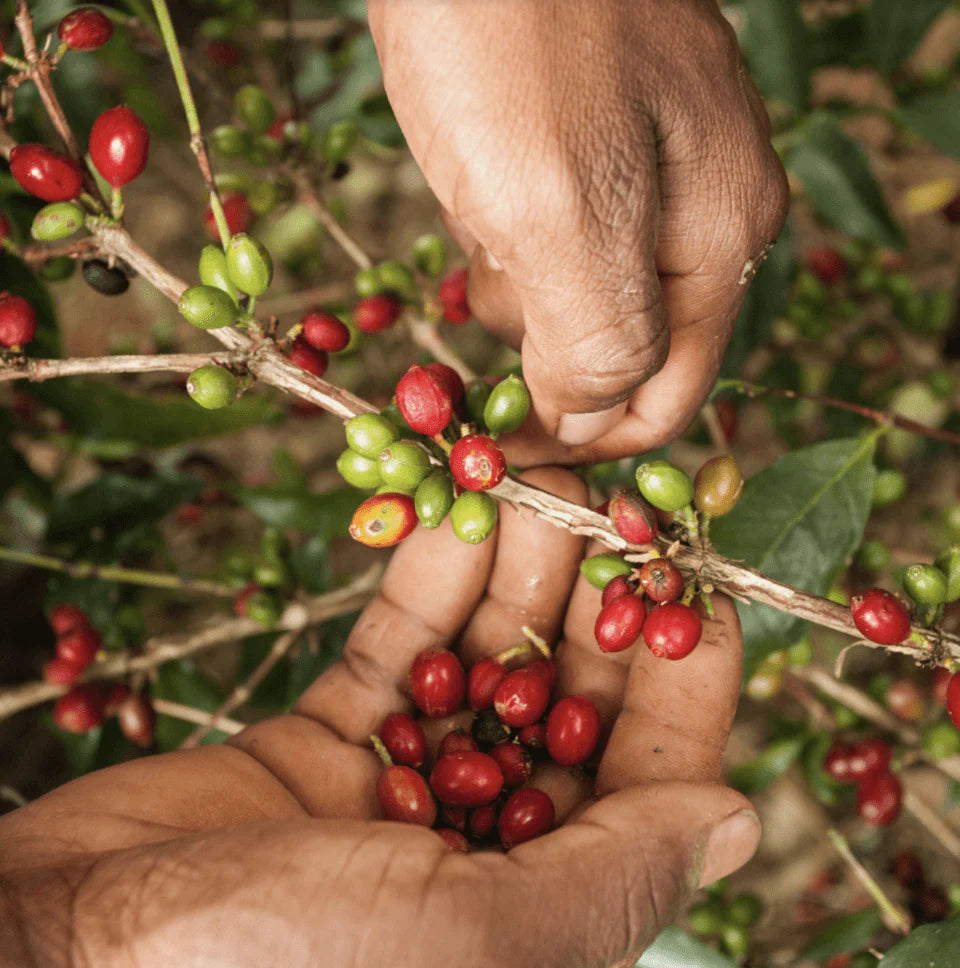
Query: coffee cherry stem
442 443
381 750
116 204
689 593
536 641
688 518
707 601
15 62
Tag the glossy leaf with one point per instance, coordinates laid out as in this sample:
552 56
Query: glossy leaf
935 117
672 948
776 41
772 763
849 933
327 514
895 27
930 946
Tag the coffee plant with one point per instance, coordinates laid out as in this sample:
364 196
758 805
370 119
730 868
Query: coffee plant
180 505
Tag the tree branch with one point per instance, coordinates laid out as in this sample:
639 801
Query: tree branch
37 370
190 714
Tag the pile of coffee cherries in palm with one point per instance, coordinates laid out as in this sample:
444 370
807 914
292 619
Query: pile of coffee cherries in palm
474 786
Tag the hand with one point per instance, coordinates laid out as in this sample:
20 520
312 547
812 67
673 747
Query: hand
266 852
613 159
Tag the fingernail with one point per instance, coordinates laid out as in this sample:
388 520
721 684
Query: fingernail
582 428
730 845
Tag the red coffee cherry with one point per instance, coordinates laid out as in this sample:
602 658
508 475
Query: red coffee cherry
85 29
905 700
938 685
119 146
307 358
482 820
617 587
4 228
323 331
405 796
522 698
424 401
837 762
59 672
515 763
573 730
384 520
528 813
546 669
661 580
880 616
454 840
236 209
66 617
223 53
18 320
243 596
117 695
450 379
466 779
534 736
953 699
456 741
672 630
827 264
634 519
452 293
906 869
402 736
438 683
455 817
879 798
137 720
79 647
482 682
619 623
376 313
477 463
46 173
80 709
869 757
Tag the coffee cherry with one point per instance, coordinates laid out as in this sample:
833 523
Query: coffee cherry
482 820
454 840
403 465
728 417
905 700
5 232
302 354
59 672
938 685
452 293
449 377
79 647
212 386
616 588
455 817
402 736
600 570
272 573
437 683
424 401
108 280
395 277
339 140
249 264
632 517
206 307
357 470
213 271
137 720
405 797
473 516
619 623
953 699
456 741
367 283
672 630
515 763
230 141
477 463
948 561
57 221
879 799
664 485
736 941
323 331
254 108
236 210
928 905
46 173
18 321
264 608
370 433
888 487
906 868
718 486
242 597
837 762
482 682
434 498
528 813
476 396
80 709
119 146
925 584
383 520
880 616
940 740
826 263
661 580
521 698
573 730
534 736
546 669
507 406
377 312
488 729
466 779
66 617
84 29
869 757
430 255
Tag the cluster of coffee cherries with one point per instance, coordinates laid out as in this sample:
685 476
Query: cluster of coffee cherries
473 782
654 600
727 921
264 581
78 643
432 452
867 763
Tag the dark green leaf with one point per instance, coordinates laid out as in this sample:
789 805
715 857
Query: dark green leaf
930 946
311 565
272 691
672 949
181 682
772 763
849 933
776 41
838 40
935 117
327 514
895 27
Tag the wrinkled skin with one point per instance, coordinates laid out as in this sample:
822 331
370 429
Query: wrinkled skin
613 159
267 851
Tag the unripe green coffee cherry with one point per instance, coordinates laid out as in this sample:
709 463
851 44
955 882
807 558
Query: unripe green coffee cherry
948 561
664 485
254 108
736 940
396 277
601 569
430 255
925 584
357 470
230 141
57 221
899 285
392 412
403 464
249 264
869 279
264 608
232 181
800 653
940 740
264 196
434 498
370 433
706 918
942 384
213 271
507 406
367 283
473 516
476 396
57 269
273 543
393 489
766 682
873 556
718 486
238 565
206 307
272 573
811 289
745 910
265 151
888 487
338 141
212 386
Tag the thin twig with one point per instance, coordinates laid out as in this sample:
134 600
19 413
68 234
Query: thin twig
309 30
924 814
37 370
75 249
189 714
712 422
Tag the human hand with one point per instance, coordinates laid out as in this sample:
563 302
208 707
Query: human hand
613 159
266 851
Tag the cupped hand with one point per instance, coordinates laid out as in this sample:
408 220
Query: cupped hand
268 852
607 165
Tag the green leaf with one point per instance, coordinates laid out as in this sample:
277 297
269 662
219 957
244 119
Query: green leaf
313 659
776 41
895 27
272 691
935 117
849 933
181 682
672 949
772 763
836 174
930 946
327 514
310 562
798 521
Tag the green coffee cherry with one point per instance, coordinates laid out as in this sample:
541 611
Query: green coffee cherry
869 279
206 307
238 565
396 277
600 569
403 464
937 312
951 519
273 543
265 151
800 653
254 108
430 255
393 489
357 470
367 283
899 285
264 608
212 386
888 487
230 141
718 486
370 433
706 918
664 485
473 516
745 909
272 573
392 412
57 269
339 141
476 396
925 584
507 405
765 683
231 181
249 264
811 289
942 384
948 561
846 718
940 740
873 556
264 197
855 253
213 271
57 221
736 940
434 498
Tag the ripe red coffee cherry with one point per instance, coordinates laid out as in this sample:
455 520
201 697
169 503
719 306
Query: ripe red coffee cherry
59 672
117 694
534 736
515 763
661 580
80 709
482 820
837 763
323 331
456 741
906 868
376 313
617 587
827 264
528 813
307 358
236 209
953 699
477 463
404 796
938 685
522 697
455 817
84 29
905 700
466 779
454 840
869 757
879 798
619 623
137 720
384 520
482 682
119 146
46 173
880 616
573 730
546 669
452 293
223 53
424 401
634 519
438 683
18 320
450 379
672 630
66 617
402 736
79 647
